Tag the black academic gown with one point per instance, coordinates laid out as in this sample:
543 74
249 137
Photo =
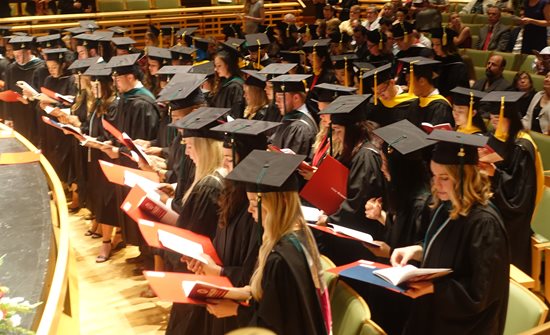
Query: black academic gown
237 245
297 132
436 110
185 176
403 106
23 116
453 73
474 298
365 181
230 95
413 51
514 187
289 304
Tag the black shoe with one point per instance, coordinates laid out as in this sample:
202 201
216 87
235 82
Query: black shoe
135 260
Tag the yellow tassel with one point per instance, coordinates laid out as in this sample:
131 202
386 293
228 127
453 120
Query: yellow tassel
411 80
259 54
470 113
308 32
305 85
444 39
172 37
346 78
315 67
376 88
183 39
381 43
161 39
500 133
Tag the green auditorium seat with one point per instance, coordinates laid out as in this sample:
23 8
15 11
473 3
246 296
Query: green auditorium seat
330 278
110 6
474 29
527 64
479 57
538 81
479 72
525 310
467 18
138 4
540 224
161 4
511 59
480 19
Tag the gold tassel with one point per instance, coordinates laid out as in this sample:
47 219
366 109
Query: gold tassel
346 78
288 31
259 55
161 39
308 32
444 39
381 43
305 85
183 43
470 113
315 67
500 133
172 37
411 79
375 88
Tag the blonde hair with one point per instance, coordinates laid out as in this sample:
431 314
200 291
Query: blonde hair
85 97
323 131
256 100
209 159
476 188
284 215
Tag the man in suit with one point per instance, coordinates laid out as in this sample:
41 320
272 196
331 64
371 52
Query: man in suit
493 36
493 81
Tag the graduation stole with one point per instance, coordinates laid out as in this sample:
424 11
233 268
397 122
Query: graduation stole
398 99
428 100
470 130
538 167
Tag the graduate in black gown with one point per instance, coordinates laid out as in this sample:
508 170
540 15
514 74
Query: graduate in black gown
289 295
238 237
467 235
465 106
434 108
258 57
518 180
257 102
376 40
318 56
20 114
228 86
404 39
365 181
298 128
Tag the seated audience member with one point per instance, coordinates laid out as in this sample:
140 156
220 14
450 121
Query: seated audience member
495 35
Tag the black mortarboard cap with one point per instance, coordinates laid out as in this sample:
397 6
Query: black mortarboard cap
255 41
49 41
124 43
161 55
204 68
246 127
455 148
5 30
402 29
57 54
318 46
265 171
461 96
363 66
81 65
277 68
154 30
232 30
382 74
310 29
90 41
376 36
106 35
21 42
290 83
199 122
291 56
403 136
233 45
255 78
76 30
510 102
423 67
184 32
168 30
181 52
287 29
341 61
118 30
183 91
123 64
347 110
202 43
328 92
173 69
88 24
98 70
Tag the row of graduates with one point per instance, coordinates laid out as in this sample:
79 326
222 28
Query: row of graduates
134 113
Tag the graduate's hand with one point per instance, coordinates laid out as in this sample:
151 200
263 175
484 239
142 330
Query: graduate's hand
166 189
112 152
156 151
307 174
487 168
383 251
222 308
373 210
420 288
143 143
322 221
402 256
209 269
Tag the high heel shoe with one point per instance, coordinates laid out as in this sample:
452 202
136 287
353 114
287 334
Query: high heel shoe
105 252
120 244
92 232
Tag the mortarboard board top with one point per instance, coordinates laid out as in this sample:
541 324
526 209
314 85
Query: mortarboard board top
98 70
88 24
255 41
123 42
461 95
277 68
290 82
123 64
403 136
76 30
48 41
328 92
255 78
183 91
455 148
21 42
57 54
105 35
206 68
510 102
159 54
82 64
118 30
186 31
265 171
246 127
319 46
383 74
347 110
199 122
173 69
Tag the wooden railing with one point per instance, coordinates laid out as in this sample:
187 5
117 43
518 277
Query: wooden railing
209 19
60 311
